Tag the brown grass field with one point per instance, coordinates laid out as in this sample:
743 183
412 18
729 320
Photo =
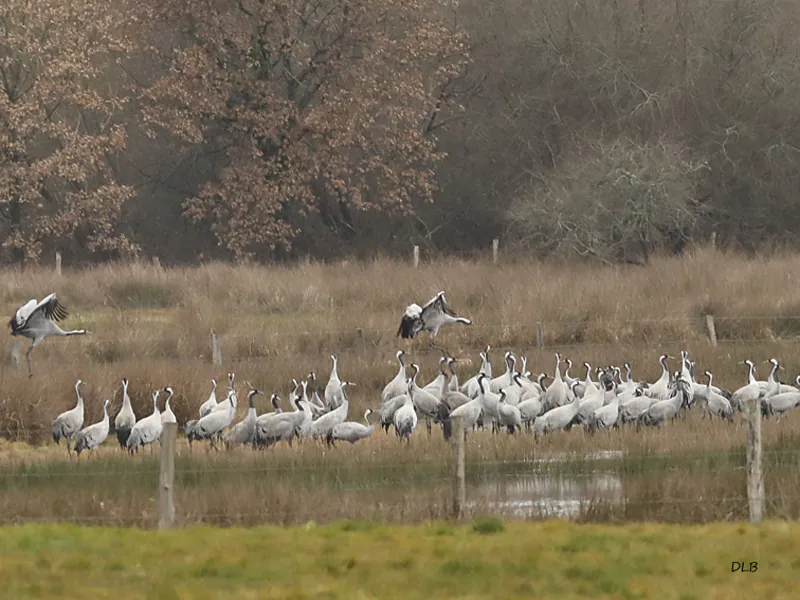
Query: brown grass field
153 327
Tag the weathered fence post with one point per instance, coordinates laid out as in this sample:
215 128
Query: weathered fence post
712 330
416 256
15 353
166 479
755 476
539 335
495 249
58 264
156 263
216 351
459 468
363 343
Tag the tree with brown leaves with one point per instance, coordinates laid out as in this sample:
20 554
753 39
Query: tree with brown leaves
319 105
57 127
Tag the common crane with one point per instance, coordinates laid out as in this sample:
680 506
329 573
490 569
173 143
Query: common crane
334 394
123 423
778 403
147 430
245 430
430 318
168 416
37 322
397 386
405 418
718 404
210 404
351 431
212 425
325 424
92 436
230 400
68 423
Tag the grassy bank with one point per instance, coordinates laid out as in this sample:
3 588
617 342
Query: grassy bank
153 326
437 560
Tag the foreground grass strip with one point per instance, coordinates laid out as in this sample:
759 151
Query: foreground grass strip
356 560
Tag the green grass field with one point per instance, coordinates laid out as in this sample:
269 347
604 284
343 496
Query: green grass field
351 560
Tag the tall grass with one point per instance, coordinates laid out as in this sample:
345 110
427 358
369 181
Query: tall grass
153 326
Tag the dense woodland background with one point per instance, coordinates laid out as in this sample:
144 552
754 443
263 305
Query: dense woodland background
277 129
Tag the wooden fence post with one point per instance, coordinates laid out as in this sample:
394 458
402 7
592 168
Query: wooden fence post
156 263
539 335
495 249
755 476
363 343
416 256
712 330
166 479
216 351
58 264
459 468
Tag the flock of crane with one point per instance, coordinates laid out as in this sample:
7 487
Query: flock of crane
510 401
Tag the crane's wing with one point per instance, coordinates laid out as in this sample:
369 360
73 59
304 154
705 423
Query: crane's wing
51 308
22 315
436 305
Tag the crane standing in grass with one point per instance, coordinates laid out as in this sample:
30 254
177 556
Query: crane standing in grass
68 423
92 436
37 322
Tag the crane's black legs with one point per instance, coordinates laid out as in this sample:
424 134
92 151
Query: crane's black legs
28 360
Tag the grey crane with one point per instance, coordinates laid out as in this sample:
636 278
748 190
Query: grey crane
469 412
660 389
430 318
147 430
662 411
778 403
168 416
510 417
244 431
68 423
397 386
230 399
210 404
717 404
470 386
351 431
424 400
213 424
325 424
334 395
282 427
92 436
556 393
123 423
405 418
560 417
504 380
37 322
314 402
748 393
606 416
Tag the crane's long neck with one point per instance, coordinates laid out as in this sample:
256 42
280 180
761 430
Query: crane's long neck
105 413
335 369
557 377
752 374
126 400
79 403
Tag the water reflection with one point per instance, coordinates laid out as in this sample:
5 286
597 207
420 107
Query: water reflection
546 495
